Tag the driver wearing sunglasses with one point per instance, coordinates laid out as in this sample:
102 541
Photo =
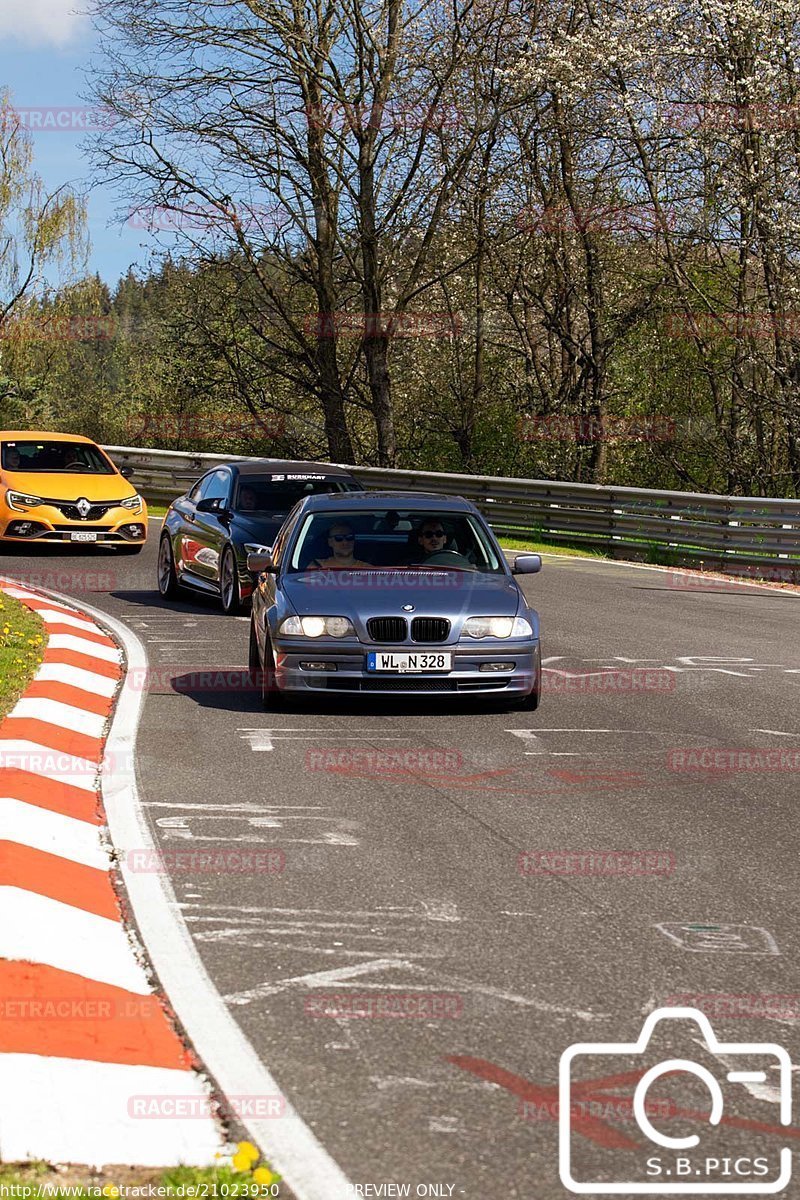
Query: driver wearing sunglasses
432 537
341 541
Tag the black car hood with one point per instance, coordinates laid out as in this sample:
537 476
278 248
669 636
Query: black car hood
434 593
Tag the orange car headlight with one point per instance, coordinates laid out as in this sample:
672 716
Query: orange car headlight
20 501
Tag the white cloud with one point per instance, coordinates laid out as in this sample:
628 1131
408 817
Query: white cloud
42 22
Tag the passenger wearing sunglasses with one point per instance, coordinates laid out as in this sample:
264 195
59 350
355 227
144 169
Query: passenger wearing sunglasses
341 541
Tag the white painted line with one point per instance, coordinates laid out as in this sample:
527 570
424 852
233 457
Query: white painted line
288 1144
65 716
68 641
776 732
39 759
35 928
77 677
28 825
51 617
82 1113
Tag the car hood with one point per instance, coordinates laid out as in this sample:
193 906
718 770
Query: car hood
384 593
63 485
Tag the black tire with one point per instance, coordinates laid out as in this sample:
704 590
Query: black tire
271 696
167 576
230 591
253 653
137 549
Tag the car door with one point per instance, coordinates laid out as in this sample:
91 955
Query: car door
181 522
210 529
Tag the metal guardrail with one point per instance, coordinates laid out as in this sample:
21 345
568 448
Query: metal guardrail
622 521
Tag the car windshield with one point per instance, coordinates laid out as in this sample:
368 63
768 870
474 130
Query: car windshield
275 495
55 457
394 539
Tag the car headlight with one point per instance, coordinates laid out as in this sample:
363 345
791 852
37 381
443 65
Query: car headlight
316 626
20 501
496 627
133 502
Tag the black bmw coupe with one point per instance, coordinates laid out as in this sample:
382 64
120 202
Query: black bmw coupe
233 511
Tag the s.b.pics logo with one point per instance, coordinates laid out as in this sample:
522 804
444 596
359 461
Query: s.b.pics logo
691 1101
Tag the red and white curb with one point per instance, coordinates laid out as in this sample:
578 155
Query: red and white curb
241 1075
91 1069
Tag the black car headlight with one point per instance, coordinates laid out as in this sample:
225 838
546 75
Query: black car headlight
314 627
497 627
20 501
134 503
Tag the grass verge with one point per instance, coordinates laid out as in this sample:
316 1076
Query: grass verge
512 543
22 641
241 1175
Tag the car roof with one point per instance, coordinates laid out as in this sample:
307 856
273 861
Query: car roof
36 435
410 501
280 466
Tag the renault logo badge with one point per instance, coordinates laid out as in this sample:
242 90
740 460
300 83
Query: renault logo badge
84 507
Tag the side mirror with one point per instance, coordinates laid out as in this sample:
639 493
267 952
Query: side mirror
261 564
213 505
125 472
527 564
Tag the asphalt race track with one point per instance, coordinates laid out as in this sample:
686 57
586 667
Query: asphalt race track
408 883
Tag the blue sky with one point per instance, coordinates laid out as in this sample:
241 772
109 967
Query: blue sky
45 46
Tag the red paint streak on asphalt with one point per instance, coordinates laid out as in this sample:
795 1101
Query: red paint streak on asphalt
593 1128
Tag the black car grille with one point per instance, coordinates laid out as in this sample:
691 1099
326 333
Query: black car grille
387 629
70 511
430 629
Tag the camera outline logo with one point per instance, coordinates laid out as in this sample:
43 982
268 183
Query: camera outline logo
715 1048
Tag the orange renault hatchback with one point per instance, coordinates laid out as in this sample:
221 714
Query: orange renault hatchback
60 487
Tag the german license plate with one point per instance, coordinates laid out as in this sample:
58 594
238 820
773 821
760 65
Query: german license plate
380 660
83 537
